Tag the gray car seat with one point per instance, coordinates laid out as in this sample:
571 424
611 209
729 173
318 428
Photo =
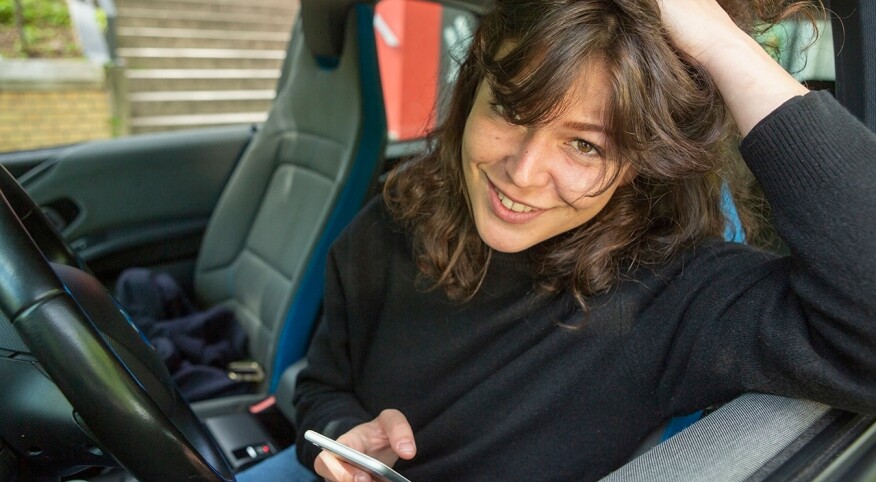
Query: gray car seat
302 179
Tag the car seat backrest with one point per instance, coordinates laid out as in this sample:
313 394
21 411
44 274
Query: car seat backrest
301 180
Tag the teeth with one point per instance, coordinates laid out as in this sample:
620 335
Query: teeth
509 204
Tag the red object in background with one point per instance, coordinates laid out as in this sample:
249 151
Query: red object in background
408 49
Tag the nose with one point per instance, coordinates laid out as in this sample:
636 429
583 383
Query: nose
528 163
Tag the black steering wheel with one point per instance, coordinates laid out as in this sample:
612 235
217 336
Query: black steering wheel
121 392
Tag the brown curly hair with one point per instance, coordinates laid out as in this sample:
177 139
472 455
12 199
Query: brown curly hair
666 119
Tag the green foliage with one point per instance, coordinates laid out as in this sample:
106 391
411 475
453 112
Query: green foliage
43 13
102 21
7 12
46 31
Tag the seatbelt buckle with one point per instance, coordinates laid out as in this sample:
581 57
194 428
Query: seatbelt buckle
246 371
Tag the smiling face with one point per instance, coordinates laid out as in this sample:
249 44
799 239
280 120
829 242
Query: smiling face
527 184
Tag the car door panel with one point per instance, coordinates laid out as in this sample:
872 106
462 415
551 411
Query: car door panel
20 162
142 200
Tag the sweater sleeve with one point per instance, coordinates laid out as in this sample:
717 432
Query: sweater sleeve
324 395
804 325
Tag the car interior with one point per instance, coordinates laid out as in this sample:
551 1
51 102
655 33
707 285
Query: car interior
243 217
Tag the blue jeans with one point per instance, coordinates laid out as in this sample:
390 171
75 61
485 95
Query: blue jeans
282 467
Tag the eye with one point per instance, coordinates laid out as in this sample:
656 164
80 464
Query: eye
585 148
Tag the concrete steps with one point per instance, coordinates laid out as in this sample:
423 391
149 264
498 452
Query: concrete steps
185 58
152 104
281 7
201 63
148 18
159 37
162 80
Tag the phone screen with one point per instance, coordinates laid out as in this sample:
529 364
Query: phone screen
377 469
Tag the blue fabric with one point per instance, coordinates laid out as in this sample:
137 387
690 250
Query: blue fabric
282 467
733 232
678 424
196 346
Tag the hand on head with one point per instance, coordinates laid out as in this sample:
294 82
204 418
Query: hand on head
751 82
699 28
386 438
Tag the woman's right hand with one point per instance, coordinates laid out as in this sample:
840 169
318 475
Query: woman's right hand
386 438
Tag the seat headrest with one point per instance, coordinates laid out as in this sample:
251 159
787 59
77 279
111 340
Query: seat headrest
476 6
323 23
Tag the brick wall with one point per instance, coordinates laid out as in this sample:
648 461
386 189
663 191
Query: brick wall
47 103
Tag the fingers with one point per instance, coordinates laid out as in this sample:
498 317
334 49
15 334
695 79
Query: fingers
752 84
386 438
697 27
332 469
399 432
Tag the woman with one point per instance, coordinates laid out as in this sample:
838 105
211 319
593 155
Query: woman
548 284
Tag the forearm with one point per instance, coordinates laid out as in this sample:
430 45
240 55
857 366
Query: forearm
750 81
817 165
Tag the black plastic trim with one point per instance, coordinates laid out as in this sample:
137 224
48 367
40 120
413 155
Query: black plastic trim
821 450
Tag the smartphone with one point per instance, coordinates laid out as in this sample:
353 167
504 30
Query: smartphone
377 469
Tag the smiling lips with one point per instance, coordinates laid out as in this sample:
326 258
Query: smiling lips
509 210
513 206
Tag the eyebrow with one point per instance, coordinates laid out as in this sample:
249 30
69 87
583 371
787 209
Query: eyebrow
585 126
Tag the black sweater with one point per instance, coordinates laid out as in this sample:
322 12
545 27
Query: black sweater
499 389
